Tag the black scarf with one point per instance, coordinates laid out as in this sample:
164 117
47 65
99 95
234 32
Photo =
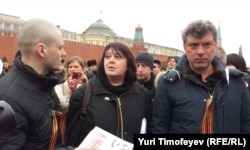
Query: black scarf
117 90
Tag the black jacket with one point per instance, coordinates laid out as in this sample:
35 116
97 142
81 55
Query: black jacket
121 116
150 85
32 98
246 77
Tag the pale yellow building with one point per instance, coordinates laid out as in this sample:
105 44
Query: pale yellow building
97 33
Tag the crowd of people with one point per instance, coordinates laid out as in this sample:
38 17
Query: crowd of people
204 91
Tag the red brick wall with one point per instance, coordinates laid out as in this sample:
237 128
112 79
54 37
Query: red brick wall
9 46
86 51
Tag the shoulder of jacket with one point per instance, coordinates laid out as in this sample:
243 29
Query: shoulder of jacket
235 72
138 85
172 75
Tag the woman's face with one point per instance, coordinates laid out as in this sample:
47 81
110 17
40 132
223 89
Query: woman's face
75 66
115 64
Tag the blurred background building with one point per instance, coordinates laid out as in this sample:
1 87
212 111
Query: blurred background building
89 44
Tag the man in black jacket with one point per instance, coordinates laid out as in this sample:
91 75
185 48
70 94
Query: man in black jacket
29 88
144 71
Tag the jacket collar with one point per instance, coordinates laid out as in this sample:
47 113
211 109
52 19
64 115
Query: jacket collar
183 70
98 88
46 82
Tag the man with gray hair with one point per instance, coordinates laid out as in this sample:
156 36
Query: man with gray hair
200 96
221 53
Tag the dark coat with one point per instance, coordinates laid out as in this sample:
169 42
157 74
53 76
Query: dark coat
150 85
246 77
32 98
108 111
179 102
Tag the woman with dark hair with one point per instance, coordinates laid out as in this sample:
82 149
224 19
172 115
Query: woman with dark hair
117 104
238 62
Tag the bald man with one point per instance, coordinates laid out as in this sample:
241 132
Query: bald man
29 88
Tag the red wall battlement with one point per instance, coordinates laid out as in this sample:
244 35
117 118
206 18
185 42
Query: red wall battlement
9 46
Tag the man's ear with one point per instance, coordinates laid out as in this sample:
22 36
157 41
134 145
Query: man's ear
41 49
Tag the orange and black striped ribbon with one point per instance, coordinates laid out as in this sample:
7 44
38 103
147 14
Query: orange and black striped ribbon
207 121
56 115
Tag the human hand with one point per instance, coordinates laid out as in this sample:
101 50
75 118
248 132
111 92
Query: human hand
82 79
72 83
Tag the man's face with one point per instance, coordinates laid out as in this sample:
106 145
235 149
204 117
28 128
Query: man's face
6 65
143 72
55 53
171 63
200 51
156 68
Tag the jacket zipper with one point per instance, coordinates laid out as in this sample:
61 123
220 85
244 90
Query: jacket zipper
212 94
120 117
120 126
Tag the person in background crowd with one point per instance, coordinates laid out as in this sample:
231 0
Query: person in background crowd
238 62
92 68
92 65
29 88
199 97
6 68
221 53
117 104
156 66
172 61
144 66
75 76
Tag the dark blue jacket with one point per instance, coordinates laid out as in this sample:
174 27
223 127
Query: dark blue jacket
179 101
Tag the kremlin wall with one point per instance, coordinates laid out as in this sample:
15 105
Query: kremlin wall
9 46
88 45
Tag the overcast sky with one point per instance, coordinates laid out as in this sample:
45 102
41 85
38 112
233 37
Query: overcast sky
162 20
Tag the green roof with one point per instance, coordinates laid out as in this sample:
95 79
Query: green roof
138 34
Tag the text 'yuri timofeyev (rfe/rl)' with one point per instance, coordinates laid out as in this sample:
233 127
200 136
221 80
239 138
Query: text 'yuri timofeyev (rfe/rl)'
189 141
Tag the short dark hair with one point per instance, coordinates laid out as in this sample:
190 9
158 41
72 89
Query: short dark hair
126 52
237 61
91 62
157 61
173 57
